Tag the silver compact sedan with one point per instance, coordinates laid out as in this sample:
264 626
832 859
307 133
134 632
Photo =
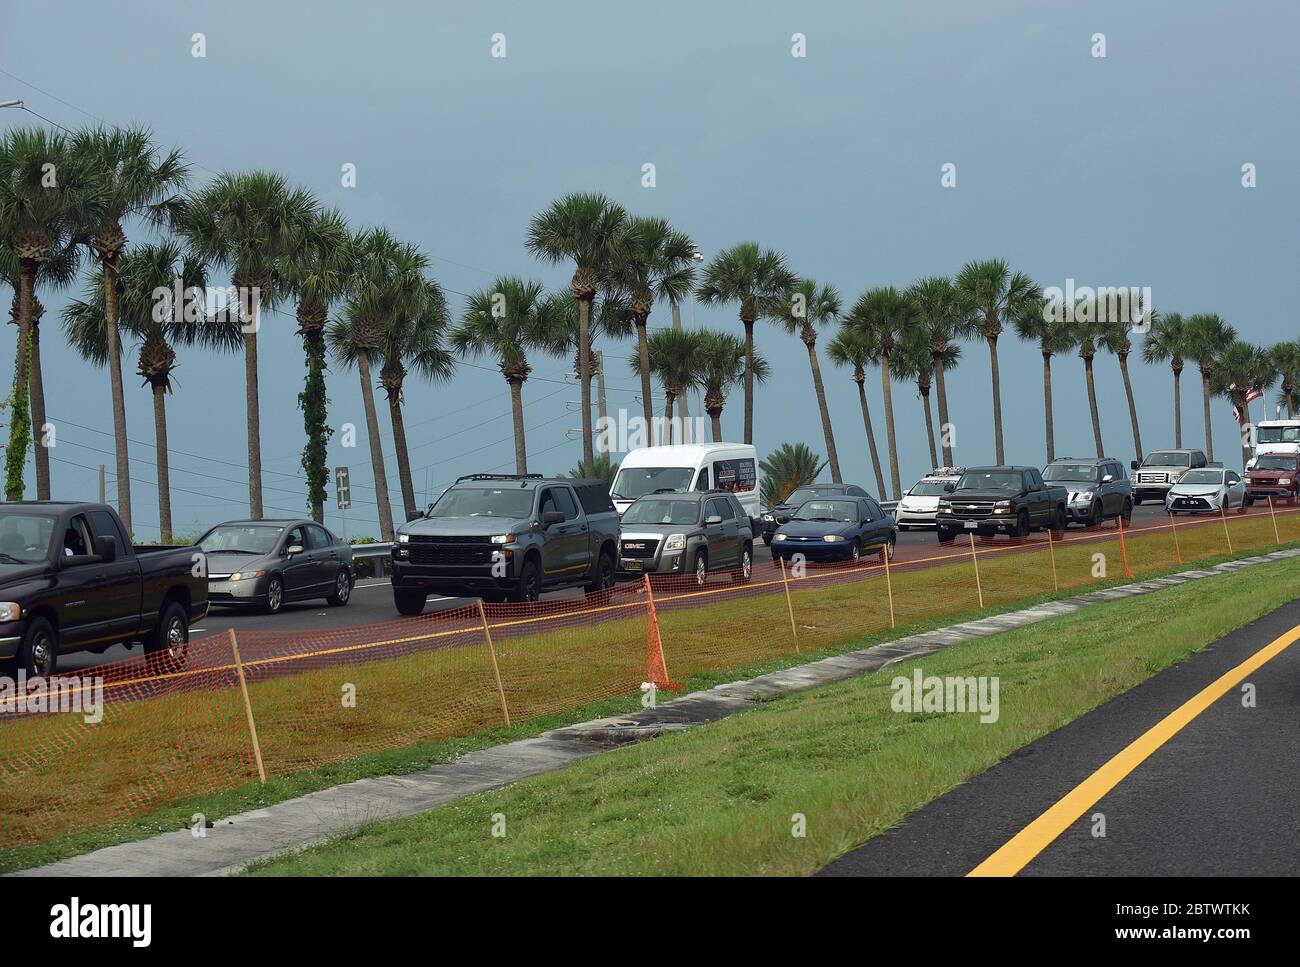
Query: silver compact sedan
263 564
1208 490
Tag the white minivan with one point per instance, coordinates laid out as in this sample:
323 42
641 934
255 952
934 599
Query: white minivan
692 466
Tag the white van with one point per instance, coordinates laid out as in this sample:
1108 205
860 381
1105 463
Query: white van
694 466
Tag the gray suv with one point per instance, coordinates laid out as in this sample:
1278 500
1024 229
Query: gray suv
1097 488
687 533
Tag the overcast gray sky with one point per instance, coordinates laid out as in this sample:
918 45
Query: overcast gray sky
1122 170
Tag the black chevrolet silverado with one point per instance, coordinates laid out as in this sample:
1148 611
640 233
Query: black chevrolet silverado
1000 500
507 536
70 580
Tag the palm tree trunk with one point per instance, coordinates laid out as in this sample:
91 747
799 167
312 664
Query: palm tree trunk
871 437
643 350
669 398
889 426
517 412
1047 407
1209 430
584 376
254 427
164 474
403 456
1132 406
119 400
37 393
749 380
314 404
820 389
716 418
376 449
16 458
945 441
929 423
1092 406
1178 410
997 399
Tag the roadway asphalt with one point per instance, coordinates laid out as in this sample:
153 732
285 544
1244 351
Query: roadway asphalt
372 600
1218 798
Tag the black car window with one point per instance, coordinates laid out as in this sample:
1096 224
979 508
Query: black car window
76 539
737 510
565 502
702 482
547 504
724 508
319 536
711 509
296 537
103 525
873 509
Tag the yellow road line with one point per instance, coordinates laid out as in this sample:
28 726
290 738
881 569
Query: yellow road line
1016 853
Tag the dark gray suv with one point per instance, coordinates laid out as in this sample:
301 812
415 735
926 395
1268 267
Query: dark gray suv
1097 488
687 533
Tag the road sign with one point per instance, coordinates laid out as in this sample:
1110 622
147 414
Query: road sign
343 488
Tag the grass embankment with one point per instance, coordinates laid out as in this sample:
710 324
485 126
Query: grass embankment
720 799
152 764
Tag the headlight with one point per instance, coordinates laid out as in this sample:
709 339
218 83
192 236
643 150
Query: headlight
832 538
403 538
1284 481
675 542
246 575
500 538
945 505
779 537
1086 495
10 611
1002 507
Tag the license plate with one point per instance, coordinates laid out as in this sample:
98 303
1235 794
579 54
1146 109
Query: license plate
631 565
972 525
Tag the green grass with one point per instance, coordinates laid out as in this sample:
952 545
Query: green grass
719 799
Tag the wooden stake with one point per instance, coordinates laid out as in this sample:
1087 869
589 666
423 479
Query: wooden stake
496 672
889 585
975 558
1224 517
794 631
248 707
1051 549
1173 522
1277 538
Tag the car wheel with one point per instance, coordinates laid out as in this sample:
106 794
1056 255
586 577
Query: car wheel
1127 513
38 655
1246 501
887 550
767 539
168 646
409 602
342 589
529 587
1094 514
855 551
946 537
1022 526
274 595
1058 524
742 573
604 577
1137 501
701 568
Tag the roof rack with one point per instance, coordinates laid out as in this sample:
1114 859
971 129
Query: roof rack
500 476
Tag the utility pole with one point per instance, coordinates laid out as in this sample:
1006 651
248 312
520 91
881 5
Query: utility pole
102 488
683 401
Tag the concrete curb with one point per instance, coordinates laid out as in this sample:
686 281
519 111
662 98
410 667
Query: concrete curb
294 824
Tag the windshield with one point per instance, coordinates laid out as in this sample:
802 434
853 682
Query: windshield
648 510
928 488
1003 481
511 502
1275 463
810 493
634 482
24 538
1078 472
248 538
1278 434
1167 458
1202 477
842 511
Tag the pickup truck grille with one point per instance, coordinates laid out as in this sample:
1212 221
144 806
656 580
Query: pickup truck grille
972 508
449 550
1151 478
639 548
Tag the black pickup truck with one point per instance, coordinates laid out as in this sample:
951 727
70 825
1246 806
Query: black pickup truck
70 580
507 536
1000 500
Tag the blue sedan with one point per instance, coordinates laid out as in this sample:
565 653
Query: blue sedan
840 528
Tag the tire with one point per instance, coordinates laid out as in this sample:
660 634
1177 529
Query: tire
409 602
1245 504
767 540
1095 513
700 568
741 574
529 584
274 595
342 589
887 550
1137 501
1127 512
39 652
604 576
167 647
1022 526
1057 526
947 537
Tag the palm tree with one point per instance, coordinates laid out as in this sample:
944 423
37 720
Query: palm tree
759 281
247 222
850 347
157 326
654 262
1088 334
885 316
1238 369
137 181
505 322
1115 339
1286 361
38 217
787 468
585 229
997 296
316 272
1047 327
722 366
911 362
675 357
1207 336
808 306
606 468
944 317
1166 343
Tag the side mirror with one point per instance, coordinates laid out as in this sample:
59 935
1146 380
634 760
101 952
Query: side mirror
106 548
1107 479
552 517
293 549
713 519
1132 464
